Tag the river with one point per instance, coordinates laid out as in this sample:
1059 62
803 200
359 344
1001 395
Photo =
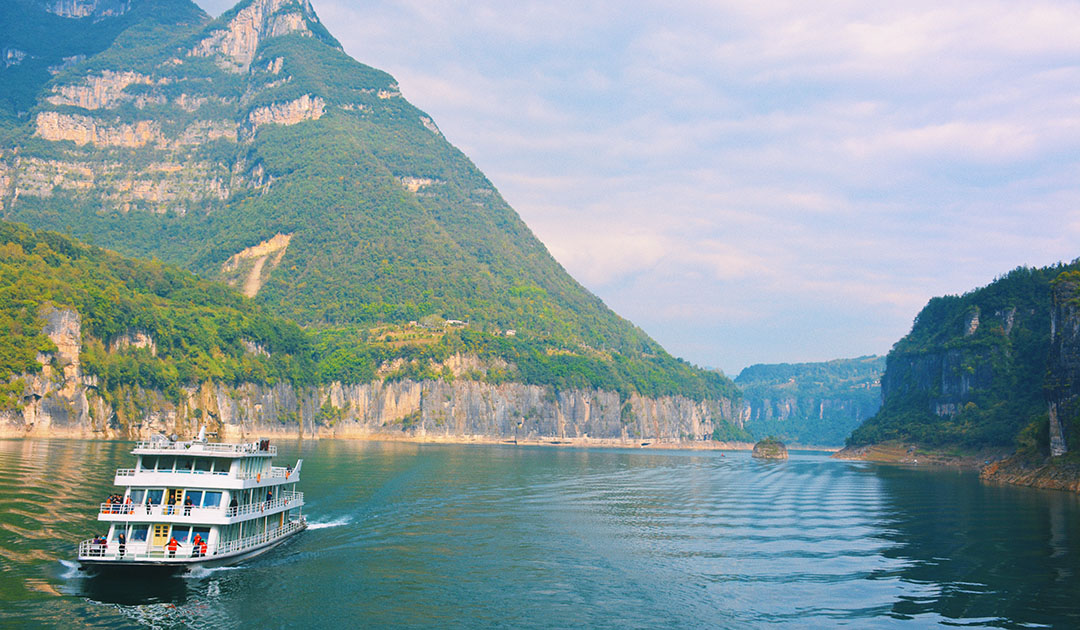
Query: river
419 536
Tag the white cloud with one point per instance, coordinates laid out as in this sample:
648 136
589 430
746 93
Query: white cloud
758 179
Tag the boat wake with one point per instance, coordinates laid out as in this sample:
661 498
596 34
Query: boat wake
201 572
338 522
71 570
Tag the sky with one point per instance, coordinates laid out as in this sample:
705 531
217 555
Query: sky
756 182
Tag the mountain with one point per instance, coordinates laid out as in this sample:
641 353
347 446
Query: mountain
253 149
977 370
810 403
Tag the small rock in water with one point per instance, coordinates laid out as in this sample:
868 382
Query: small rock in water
770 448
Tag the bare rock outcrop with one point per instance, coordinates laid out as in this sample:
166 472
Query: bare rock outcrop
54 399
235 44
306 107
249 269
88 8
103 91
86 130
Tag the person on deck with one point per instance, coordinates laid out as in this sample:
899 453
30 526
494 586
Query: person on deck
269 498
121 543
188 505
171 546
196 546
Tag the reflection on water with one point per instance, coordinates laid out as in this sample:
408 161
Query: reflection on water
1003 554
407 535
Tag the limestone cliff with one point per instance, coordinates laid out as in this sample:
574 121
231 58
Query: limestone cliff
235 42
304 108
1063 375
810 403
62 401
87 8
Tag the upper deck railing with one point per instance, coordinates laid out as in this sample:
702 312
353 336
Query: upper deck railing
286 499
251 448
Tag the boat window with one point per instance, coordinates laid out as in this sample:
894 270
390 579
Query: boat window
154 496
180 533
211 499
148 463
138 532
194 495
183 465
137 495
203 464
165 464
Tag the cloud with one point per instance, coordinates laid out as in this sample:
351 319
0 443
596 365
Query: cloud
754 180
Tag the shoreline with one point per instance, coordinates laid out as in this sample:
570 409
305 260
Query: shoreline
904 454
371 436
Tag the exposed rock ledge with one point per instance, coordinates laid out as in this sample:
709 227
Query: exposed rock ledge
85 130
1052 473
98 92
296 111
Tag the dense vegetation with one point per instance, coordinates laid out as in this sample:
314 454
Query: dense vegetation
199 328
949 386
366 250
206 332
827 400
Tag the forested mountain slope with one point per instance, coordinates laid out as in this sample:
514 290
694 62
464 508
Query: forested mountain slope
975 370
810 403
252 149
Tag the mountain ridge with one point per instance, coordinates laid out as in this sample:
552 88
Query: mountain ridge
251 149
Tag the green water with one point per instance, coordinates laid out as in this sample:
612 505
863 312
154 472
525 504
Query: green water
408 535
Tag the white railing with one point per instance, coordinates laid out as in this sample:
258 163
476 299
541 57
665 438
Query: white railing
130 472
276 472
143 550
259 539
155 509
89 550
285 500
205 447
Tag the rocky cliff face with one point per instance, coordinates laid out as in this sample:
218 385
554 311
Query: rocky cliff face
951 376
1063 379
810 403
759 410
235 43
96 9
54 400
62 401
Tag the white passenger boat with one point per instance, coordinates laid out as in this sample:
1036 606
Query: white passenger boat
188 504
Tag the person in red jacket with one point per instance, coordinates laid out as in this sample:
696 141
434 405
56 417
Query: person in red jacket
196 545
171 546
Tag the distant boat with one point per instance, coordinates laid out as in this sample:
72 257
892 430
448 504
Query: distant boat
188 504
